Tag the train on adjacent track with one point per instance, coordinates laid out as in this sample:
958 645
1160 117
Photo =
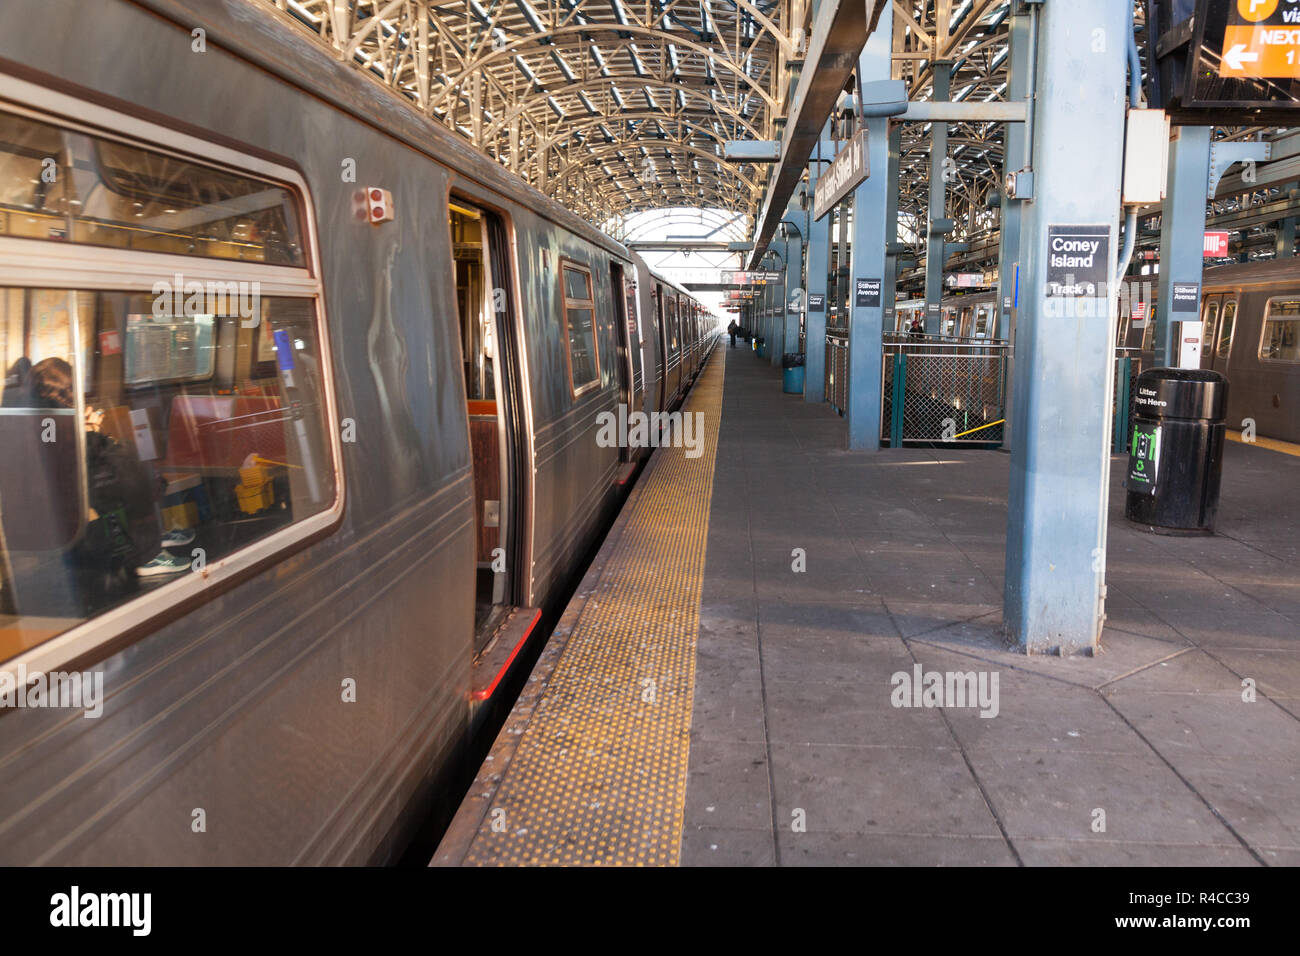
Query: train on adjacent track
301 411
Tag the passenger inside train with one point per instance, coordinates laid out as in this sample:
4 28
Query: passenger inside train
161 431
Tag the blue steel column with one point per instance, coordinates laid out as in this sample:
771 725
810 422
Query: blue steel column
867 256
794 294
1014 158
1182 234
779 290
934 244
1059 481
889 287
819 241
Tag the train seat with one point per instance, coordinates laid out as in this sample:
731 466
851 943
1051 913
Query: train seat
214 434
484 440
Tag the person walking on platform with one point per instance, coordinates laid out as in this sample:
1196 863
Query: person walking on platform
732 329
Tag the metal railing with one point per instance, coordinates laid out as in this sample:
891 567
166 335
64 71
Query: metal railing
943 391
837 372
939 389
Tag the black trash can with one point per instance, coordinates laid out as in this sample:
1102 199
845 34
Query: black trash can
1176 452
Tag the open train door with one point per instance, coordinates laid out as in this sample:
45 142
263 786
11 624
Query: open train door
627 336
491 357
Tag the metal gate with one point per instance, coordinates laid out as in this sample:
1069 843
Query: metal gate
943 391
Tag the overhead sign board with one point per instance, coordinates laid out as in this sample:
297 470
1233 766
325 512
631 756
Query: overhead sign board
734 277
842 176
1261 40
1225 62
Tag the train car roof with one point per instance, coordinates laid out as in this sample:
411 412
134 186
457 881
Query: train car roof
1266 270
278 48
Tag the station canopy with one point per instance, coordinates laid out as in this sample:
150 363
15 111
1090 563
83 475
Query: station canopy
614 107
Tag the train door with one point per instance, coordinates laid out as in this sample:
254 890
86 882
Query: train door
491 363
661 340
672 332
1219 346
1210 314
626 336
632 305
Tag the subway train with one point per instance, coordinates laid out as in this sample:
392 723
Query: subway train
1250 314
301 427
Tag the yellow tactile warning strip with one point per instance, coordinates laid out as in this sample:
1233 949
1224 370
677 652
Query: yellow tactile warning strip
599 774
1272 444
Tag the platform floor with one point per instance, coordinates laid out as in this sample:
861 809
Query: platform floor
1144 754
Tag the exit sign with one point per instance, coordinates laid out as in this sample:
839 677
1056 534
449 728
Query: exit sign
1216 245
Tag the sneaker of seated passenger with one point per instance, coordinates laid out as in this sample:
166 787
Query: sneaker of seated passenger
178 537
163 563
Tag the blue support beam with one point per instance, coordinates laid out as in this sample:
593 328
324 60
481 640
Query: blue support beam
867 258
889 289
1060 461
1182 238
1014 158
935 253
818 267
794 295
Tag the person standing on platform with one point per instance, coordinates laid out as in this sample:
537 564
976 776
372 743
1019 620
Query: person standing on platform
732 329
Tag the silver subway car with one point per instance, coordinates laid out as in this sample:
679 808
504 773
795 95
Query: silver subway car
299 420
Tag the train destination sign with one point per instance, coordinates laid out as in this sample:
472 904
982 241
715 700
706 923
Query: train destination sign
1078 261
1261 40
847 170
816 302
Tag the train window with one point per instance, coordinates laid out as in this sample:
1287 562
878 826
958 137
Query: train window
1211 319
61 184
165 430
580 317
1280 339
1224 345
168 475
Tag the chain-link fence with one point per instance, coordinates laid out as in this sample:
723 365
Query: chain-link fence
837 372
943 391
954 390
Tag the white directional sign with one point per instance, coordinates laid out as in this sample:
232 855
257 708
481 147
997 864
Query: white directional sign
849 168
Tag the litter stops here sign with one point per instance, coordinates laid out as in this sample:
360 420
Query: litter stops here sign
1144 458
1078 261
1261 40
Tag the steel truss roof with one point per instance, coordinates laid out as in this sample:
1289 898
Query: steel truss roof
609 106
617 106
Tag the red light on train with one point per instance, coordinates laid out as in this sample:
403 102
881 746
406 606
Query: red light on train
379 205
